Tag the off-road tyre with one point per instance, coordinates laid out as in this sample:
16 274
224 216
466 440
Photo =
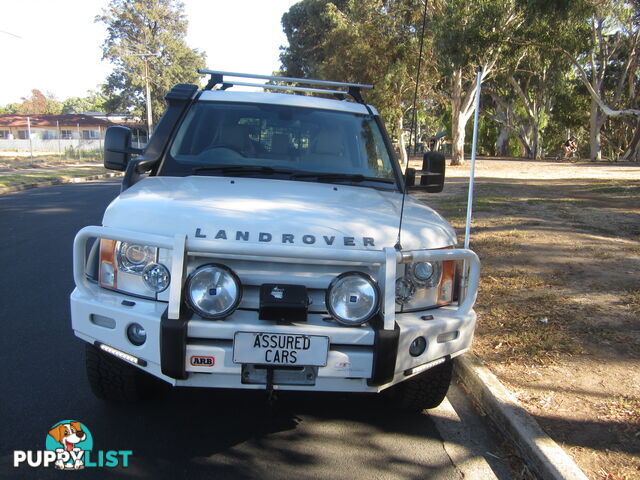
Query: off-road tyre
426 390
114 380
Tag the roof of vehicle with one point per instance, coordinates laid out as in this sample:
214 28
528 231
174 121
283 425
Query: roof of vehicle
285 99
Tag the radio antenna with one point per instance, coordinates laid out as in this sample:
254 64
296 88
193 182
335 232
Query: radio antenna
398 245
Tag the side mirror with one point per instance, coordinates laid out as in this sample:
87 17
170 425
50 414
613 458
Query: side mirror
433 167
117 148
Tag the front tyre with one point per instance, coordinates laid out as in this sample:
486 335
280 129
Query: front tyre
115 380
426 390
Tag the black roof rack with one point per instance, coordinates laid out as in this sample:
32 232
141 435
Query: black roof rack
351 89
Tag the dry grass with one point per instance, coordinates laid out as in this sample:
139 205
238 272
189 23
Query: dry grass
40 161
521 321
632 300
53 174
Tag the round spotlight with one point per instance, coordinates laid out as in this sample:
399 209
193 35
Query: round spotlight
156 277
418 346
136 334
213 291
353 298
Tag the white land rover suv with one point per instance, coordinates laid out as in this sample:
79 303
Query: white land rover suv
263 241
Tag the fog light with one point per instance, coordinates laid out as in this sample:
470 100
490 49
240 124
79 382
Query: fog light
417 347
136 334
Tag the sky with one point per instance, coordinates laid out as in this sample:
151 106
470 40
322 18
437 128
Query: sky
55 46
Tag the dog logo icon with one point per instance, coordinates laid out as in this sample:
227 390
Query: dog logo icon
70 440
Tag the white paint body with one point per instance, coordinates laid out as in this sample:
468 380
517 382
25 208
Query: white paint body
171 205
329 224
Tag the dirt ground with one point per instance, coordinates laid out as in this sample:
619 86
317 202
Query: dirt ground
559 300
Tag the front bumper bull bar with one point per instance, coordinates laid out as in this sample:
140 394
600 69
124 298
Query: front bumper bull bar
174 324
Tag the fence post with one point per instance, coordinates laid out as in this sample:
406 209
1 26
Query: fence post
58 135
29 135
79 155
100 141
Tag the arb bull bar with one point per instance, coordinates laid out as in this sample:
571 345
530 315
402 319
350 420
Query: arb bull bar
172 337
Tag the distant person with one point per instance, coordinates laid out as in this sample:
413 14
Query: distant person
570 147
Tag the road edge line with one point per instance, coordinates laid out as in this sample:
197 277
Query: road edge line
58 181
541 452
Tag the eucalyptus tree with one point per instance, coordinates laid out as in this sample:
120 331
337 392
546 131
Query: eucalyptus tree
146 44
470 34
601 39
365 41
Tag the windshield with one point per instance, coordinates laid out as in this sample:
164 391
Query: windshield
265 138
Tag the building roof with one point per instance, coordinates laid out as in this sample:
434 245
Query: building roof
63 120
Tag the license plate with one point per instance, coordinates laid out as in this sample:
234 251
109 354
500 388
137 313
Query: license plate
280 349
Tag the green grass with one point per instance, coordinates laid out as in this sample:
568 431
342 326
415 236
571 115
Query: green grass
53 174
626 189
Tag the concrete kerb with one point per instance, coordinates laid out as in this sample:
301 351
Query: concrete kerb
540 452
57 181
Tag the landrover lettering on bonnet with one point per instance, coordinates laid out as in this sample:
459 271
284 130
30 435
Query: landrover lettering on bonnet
288 238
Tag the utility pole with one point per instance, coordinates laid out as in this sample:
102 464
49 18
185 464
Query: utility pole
147 88
146 80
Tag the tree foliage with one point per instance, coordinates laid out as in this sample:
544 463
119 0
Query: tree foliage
146 39
93 102
365 41
36 104
550 68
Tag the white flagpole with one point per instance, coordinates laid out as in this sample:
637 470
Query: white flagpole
467 230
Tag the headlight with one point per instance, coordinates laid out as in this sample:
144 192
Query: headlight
133 258
132 268
213 291
353 298
426 285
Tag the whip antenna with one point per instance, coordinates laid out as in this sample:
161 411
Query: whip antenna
398 246
467 230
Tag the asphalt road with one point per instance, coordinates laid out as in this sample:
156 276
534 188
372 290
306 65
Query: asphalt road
186 433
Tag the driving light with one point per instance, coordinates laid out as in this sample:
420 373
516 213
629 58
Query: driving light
213 291
136 334
156 277
352 298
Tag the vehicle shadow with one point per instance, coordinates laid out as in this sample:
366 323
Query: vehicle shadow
239 434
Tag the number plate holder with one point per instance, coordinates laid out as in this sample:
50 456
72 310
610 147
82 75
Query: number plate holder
280 349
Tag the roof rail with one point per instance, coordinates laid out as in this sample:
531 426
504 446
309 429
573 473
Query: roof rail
351 89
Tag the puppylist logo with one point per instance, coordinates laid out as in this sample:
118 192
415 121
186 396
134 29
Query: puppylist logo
69 446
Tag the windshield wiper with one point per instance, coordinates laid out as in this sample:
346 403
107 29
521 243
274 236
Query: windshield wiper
329 177
233 169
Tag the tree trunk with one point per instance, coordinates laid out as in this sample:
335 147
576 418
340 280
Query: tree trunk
535 143
633 151
404 159
502 144
596 119
458 122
